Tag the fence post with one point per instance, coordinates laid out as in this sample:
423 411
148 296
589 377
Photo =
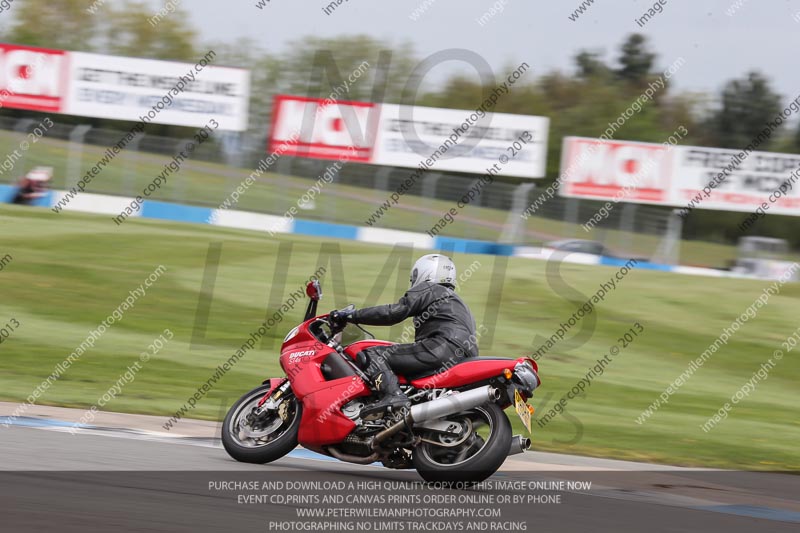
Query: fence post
22 125
428 187
668 251
283 165
129 170
466 226
626 225
331 202
179 192
571 214
512 229
382 178
75 156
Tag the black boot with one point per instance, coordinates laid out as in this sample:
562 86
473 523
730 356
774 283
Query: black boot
385 383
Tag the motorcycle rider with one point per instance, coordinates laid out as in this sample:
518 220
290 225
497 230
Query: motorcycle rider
443 324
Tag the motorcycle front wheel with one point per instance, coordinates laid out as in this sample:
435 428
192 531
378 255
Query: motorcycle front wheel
250 436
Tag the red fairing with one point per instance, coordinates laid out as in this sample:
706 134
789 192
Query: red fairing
467 373
301 357
353 349
323 422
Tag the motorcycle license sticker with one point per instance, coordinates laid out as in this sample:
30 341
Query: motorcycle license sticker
522 411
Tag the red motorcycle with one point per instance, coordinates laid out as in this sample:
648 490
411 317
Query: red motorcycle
455 430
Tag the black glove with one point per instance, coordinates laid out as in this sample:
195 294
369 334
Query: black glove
340 318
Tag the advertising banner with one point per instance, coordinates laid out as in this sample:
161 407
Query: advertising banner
310 127
675 175
461 140
603 170
32 78
759 178
123 88
410 136
126 88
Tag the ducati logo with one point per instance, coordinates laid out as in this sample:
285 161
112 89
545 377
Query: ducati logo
295 357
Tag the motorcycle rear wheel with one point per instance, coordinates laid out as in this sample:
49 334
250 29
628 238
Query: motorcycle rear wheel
264 438
477 457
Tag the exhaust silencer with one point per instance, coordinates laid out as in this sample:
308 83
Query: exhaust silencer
454 403
519 444
451 404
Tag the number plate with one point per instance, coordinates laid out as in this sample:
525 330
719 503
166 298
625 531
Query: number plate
522 410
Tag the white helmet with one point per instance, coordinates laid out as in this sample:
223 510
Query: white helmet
434 268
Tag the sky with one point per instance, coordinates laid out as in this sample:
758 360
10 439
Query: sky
717 47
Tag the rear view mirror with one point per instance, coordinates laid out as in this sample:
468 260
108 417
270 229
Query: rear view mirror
314 290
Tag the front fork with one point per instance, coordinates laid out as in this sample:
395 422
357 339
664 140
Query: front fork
278 387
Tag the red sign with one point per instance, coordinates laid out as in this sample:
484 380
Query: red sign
32 78
609 169
323 129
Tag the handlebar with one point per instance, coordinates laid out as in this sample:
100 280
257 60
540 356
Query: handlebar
325 337
329 337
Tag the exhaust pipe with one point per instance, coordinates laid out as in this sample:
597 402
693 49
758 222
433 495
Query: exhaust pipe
451 404
519 444
353 458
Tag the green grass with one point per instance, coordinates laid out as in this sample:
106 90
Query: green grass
209 184
70 271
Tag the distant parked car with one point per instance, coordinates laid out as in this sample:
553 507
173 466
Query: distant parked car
580 246
763 257
584 246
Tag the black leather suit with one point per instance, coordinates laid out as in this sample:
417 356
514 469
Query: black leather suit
444 330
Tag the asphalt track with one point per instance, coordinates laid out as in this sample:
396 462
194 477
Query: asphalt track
124 475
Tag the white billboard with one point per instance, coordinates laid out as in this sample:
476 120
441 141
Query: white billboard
675 176
752 182
410 136
125 88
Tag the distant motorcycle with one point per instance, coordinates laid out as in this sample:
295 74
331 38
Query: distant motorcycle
455 430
